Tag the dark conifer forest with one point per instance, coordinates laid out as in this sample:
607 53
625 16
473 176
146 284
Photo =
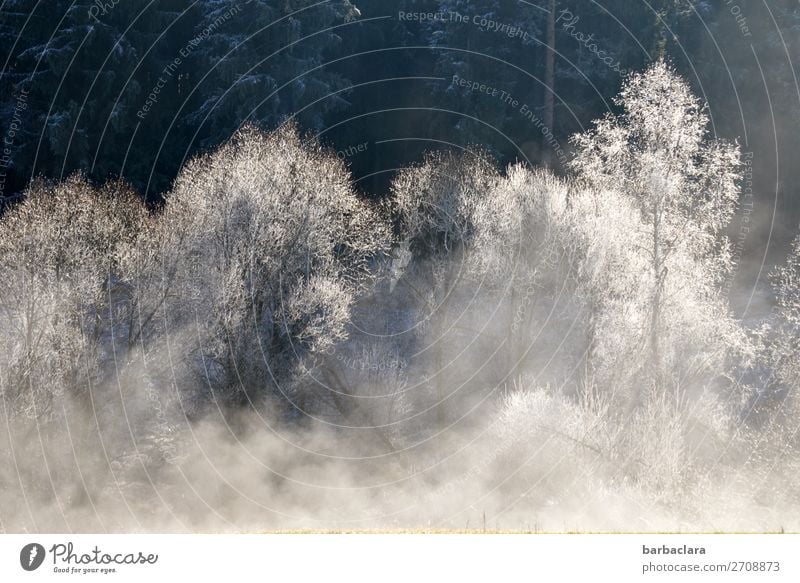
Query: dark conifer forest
399 264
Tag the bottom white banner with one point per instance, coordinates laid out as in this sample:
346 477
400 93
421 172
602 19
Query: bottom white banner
401 557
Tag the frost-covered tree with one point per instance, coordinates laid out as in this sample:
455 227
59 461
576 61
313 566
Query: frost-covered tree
524 255
784 336
261 250
787 284
603 269
60 256
684 185
435 204
485 253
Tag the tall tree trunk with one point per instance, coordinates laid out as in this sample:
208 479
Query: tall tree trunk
441 413
655 308
550 79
